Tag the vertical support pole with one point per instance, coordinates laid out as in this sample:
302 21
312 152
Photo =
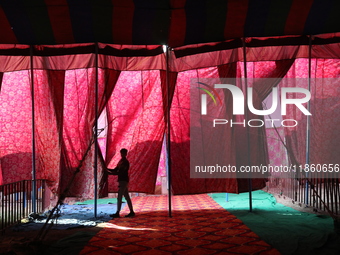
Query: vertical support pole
23 198
34 207
43 194
308 117
95 168
168 140
2 190
246 117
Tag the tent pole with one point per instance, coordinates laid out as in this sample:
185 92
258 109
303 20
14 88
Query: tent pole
168 130
96 135
246 117
34 184
308 118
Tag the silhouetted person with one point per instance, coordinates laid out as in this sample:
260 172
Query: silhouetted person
122 170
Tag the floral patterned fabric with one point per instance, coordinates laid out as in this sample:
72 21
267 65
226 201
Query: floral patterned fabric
16 127
135 114
324 125
136 103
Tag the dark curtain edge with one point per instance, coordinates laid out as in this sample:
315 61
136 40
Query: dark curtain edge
77 49
154 50
251 43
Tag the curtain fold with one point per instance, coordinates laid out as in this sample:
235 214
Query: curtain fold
1 75
262 77
135 114
183 128
78 135
167 98
16 127
49 102
79 97
324 126
236 147
1 178
325 107
110 78
296 136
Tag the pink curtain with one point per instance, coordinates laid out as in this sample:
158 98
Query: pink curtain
1 178
180 136
276 150
64 111
16 127
77 132
49 98
237 147
262 77
110 78
78 135
1 75
135 114
324 125
182 183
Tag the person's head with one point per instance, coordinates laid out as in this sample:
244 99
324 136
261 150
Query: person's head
123 152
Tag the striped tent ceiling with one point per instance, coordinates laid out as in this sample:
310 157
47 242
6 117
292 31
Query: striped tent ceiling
154 22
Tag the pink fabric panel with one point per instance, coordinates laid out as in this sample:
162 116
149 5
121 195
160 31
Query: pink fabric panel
77 132
324 128
138 125
325 109
78 136
257 145
1 75
296 136
64 62
16 127
276 151
102 145
14 63
180 146
1 178
180 140
180 137
49 94
162 166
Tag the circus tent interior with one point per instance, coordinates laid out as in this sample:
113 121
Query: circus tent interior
79 80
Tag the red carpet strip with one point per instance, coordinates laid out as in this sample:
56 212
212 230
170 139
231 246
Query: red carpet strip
198 226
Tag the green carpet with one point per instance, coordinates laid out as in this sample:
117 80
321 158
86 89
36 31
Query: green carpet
288 230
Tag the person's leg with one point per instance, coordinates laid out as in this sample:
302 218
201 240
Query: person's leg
128 200
121 191
119 198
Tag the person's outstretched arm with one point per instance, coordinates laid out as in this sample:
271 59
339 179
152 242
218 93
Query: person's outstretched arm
113 171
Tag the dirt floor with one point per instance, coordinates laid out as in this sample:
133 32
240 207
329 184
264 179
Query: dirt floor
25 242
30 238
37 237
